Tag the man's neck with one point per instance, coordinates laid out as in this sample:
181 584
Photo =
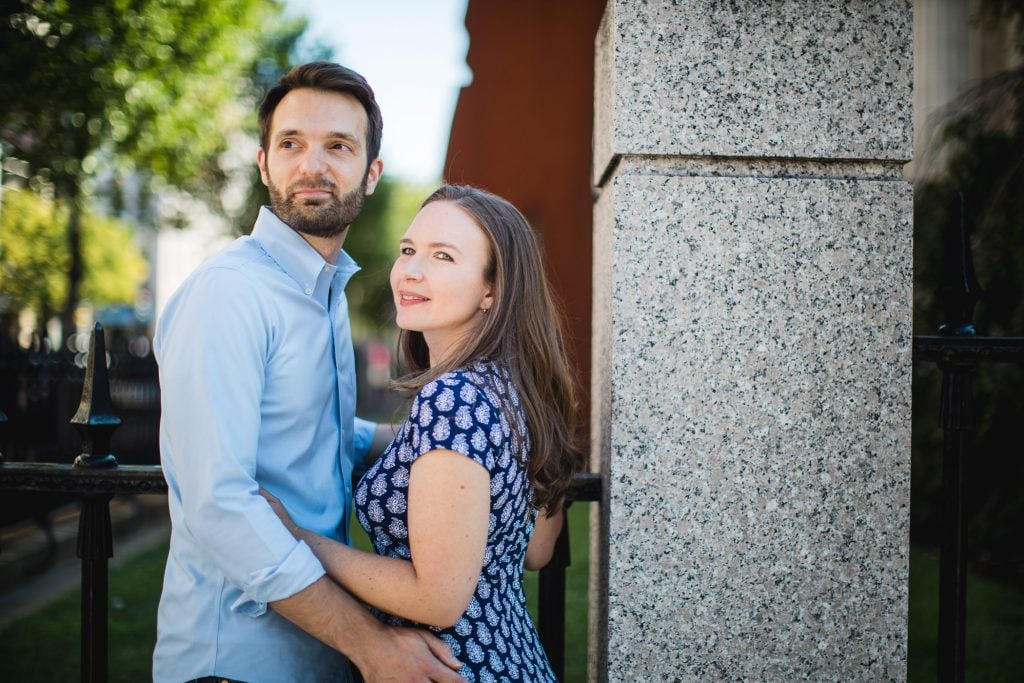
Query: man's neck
327 247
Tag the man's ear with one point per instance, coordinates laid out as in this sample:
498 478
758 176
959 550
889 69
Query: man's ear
373 174
261 161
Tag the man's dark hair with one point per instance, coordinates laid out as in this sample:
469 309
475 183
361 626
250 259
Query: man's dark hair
329 77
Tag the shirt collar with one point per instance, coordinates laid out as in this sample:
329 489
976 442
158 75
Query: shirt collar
296 256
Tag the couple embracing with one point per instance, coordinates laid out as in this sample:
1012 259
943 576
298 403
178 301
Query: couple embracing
259 436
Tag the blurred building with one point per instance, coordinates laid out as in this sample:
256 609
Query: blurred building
957 44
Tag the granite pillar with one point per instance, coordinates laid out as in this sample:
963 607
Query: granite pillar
751 340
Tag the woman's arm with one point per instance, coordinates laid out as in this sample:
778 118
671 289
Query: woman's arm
542 543
449 505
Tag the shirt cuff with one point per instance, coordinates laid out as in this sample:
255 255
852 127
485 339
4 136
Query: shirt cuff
297 571
364 432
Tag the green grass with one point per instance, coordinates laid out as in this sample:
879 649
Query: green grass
995 625
28 646
44 647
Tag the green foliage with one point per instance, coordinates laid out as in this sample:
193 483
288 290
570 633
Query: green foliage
373 242
31 276
154 83
151 88
980 153
34 256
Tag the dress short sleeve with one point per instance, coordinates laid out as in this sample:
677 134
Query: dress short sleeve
455 413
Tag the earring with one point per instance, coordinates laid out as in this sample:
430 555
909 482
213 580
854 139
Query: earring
485 310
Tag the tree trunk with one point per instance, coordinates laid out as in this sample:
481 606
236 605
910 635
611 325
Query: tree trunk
75 267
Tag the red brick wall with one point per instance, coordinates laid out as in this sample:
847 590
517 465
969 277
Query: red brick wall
522 129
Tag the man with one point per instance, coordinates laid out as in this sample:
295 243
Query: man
258 390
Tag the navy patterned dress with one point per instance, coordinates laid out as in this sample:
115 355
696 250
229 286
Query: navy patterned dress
472 411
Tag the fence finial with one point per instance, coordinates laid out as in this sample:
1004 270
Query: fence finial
959 290
95 419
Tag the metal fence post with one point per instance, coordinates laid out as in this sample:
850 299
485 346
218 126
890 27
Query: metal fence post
551 601
95 547
3 426
959 292
95 422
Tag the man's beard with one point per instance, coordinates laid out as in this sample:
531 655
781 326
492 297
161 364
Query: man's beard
326 218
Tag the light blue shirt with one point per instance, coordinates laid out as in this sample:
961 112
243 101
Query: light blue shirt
257 381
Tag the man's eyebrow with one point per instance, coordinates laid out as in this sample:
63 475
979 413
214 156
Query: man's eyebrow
344 136
333 134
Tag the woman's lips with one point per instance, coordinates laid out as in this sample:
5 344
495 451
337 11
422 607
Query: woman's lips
411 299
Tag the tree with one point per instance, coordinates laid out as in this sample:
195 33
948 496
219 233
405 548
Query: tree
33 259
153 86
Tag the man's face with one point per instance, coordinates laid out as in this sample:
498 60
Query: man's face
315 162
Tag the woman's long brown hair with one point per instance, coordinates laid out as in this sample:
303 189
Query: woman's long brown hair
522 330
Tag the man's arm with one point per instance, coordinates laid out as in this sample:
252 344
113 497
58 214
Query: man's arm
381 653
212 348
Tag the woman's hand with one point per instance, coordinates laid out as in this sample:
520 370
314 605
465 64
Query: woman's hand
282 514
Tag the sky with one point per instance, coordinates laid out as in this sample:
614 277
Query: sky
413 53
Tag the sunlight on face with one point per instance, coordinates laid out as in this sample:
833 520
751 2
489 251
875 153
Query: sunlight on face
438 279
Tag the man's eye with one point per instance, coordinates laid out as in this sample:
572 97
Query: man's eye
341 146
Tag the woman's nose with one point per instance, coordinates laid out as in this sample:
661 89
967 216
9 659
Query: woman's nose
411 270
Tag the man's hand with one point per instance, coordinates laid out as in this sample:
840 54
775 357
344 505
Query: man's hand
382 653
407 654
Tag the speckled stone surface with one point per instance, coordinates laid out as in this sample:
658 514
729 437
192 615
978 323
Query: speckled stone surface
752 340
786 78
752 335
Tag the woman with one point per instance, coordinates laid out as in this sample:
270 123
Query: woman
471 489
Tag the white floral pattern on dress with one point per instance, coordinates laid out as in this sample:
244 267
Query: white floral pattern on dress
473 411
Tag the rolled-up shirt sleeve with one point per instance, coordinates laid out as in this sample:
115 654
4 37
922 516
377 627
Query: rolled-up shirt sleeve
212 347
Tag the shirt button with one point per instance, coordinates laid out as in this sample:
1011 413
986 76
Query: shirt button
309 290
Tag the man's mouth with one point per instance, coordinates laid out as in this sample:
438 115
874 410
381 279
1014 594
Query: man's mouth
311 193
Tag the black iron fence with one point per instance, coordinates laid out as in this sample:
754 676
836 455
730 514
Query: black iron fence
958 351
96 477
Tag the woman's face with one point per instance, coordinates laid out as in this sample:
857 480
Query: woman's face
438 280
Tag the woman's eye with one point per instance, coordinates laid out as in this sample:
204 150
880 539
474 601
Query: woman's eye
443 256
406 251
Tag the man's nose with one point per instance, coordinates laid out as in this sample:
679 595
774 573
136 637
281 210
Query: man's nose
313 161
